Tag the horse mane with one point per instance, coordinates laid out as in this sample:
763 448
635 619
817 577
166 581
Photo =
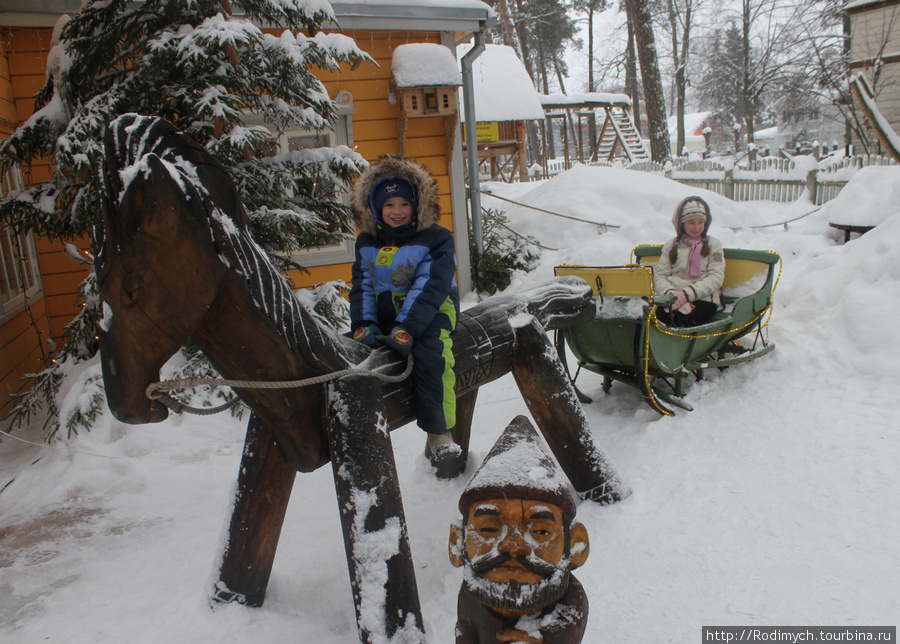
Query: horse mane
131 139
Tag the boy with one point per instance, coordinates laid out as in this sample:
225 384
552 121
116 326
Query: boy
404 288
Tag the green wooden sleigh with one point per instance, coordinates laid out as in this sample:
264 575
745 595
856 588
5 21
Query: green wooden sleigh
626 343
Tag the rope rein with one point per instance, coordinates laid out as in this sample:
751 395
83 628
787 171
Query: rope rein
158 390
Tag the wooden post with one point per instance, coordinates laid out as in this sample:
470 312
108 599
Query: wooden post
264 488
580 139
729 184
553 403
523 153
811 184
379 559
544 147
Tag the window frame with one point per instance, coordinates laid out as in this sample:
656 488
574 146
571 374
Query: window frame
341 133
14 299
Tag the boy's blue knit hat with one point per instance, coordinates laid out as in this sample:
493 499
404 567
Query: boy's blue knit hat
392 187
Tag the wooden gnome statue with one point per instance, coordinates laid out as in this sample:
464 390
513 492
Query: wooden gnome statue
518 543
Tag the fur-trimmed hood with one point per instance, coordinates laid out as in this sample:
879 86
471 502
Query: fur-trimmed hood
428 210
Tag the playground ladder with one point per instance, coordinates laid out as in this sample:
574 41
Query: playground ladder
619 138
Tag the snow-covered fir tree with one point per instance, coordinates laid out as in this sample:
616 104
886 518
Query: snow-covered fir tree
204 65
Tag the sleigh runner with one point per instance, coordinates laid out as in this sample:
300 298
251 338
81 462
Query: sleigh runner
625 342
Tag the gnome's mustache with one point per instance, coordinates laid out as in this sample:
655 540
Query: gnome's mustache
536 565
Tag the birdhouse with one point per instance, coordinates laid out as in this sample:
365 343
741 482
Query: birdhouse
427 101
425 79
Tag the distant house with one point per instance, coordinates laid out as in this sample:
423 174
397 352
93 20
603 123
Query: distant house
39 279
809 120
875 53
694 125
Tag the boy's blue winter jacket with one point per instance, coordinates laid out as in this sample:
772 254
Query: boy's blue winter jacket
402 275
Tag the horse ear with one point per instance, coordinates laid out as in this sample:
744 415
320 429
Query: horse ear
152 202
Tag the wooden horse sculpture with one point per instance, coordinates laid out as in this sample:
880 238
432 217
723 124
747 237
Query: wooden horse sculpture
175 260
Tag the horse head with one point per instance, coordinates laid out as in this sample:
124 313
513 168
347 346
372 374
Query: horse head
175 260
156 266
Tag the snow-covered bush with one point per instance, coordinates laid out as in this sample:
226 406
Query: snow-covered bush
505 251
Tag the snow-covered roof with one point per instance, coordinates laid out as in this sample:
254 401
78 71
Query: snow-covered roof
443 15
857 4
767 134
589 99
412 15
501 85
692 123
423 64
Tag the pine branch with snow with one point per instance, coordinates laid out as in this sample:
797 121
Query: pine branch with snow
505 252
205 70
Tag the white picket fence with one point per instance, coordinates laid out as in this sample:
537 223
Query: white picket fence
769 178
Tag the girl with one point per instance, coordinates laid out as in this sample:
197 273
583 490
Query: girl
691 267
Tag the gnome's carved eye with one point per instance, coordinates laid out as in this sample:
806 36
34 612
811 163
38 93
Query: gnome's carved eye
488 531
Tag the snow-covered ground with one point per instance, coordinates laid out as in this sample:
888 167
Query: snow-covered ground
774 503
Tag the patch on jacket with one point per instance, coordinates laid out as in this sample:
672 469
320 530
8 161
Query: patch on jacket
718 257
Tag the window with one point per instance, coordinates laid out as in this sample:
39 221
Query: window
19 273
340 134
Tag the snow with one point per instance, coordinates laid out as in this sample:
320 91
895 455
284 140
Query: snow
854 4
501 86
774 502
444 4
596 98
517 459
418 64
867 182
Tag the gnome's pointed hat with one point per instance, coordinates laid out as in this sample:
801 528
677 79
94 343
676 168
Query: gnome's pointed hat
517 467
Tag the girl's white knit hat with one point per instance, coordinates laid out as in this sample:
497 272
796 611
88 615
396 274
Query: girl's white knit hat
693 210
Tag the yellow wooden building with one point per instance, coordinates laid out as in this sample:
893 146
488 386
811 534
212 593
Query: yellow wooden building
874 43
39 279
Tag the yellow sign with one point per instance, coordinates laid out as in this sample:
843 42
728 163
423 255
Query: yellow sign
487 132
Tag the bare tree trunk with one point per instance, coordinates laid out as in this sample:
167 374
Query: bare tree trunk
845 48
749 106
511 37
639 17
592 126
567 121
631 78
679 58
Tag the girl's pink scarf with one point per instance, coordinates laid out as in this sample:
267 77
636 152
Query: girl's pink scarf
693 267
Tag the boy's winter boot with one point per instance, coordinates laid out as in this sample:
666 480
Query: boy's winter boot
445 456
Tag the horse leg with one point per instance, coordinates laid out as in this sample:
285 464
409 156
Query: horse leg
264 489
465 412
553 403
379 559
